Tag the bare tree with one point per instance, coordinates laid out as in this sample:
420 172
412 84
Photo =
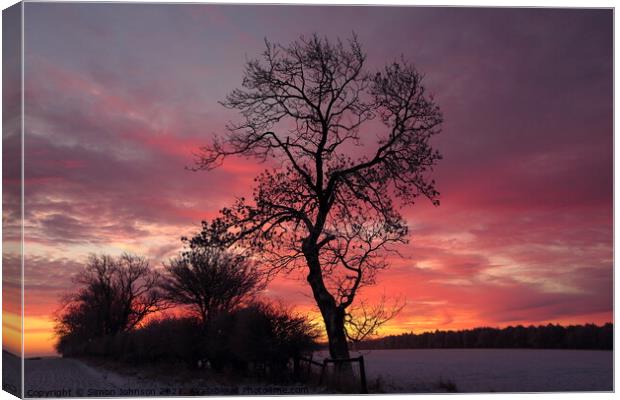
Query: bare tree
343 144
364 320
210 281
114 295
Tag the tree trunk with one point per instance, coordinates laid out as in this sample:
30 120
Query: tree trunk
333 316
334 324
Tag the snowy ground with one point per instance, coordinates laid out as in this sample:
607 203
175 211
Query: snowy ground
11 373
60 377
66 377
488 370
470 370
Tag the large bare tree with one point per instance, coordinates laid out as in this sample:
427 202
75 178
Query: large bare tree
345 149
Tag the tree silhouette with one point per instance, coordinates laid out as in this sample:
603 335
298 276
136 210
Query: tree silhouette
343 144
113 295
210 281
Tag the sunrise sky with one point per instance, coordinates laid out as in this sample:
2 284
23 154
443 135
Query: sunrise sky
119 96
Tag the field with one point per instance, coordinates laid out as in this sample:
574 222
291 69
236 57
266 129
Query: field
428 370
488 370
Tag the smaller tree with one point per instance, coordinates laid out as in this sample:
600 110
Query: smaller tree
210 281
114 295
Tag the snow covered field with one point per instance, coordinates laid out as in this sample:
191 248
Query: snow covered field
485 370
471 370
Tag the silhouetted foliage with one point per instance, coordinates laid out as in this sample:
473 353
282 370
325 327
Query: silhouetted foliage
210 280
327 205
549 336
113 295
257 339
164 339
263 335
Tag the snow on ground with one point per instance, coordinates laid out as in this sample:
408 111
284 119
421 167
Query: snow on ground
11 373
471 370
487 370
67 377
62 377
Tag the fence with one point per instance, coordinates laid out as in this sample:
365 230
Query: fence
324 378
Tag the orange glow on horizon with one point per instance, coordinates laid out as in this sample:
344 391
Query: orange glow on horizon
11 332
39 338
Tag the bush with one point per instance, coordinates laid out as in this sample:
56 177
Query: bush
165 339
262 336
168 339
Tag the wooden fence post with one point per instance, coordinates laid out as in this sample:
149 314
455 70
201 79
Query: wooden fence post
323 371
363 375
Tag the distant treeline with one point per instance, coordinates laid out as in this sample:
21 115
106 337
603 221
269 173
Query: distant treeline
550 336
